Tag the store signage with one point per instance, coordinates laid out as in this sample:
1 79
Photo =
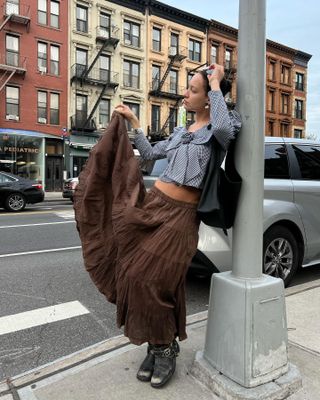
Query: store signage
9 149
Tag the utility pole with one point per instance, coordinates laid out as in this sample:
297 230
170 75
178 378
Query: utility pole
246 338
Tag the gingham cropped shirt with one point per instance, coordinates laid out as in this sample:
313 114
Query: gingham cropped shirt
188 153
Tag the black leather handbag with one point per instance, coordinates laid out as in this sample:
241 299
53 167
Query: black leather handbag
220 194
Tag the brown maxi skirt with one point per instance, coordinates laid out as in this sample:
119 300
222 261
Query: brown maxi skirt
136 245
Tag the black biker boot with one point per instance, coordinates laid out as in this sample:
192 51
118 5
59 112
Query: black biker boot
146 368
164 364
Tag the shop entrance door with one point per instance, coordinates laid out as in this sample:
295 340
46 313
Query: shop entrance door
54 174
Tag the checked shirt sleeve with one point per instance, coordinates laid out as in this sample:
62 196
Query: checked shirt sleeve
147 151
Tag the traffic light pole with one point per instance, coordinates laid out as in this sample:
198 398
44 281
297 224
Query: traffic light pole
246 339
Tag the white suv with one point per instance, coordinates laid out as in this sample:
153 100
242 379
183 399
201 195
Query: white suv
291 213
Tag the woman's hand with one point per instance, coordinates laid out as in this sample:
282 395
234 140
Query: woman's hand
128 114
216 76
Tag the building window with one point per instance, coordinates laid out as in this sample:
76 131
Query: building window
131 32
54 108
81 109
271 128
82 19
174 44
54 14
271 97
284 103
12 50
12 7
299 81
81 61
12 102
298 110
173 119
104 25
155 77
42 12
228 59
131 74
173 81
156 39
136 110
104 71
54 60
194 50
214 53
104 113
42 107
42 57
272 70
284 129
285 74
297 133
155 119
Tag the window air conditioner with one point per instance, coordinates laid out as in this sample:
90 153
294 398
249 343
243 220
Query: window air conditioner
42 69
42 120
12 117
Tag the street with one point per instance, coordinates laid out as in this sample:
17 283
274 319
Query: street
41 266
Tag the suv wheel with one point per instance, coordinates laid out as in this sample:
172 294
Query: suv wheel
280 253
15 202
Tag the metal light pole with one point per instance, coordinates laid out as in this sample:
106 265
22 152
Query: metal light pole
246 338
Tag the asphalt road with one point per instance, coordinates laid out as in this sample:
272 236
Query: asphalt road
41 266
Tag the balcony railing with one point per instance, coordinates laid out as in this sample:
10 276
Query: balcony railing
79 122
13 61
177 53
15 9
98 76
169 90
110 34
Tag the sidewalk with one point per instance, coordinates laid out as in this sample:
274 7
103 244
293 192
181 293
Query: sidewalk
107 370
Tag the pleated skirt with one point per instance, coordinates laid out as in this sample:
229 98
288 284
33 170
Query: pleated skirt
137 245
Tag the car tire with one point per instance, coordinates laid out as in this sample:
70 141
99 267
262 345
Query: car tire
280 253
15 202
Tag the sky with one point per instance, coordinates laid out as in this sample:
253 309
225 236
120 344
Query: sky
293 23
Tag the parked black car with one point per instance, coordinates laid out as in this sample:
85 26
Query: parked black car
17 192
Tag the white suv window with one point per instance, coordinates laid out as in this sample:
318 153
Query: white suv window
308 157
276 161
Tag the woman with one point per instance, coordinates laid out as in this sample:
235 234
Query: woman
149 239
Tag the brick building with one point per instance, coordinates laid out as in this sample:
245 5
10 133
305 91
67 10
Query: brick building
33 101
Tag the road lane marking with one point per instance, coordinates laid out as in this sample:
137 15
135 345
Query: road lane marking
41 316
39 251
43 223
21 214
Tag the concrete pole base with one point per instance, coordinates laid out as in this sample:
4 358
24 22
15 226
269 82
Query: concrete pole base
227 389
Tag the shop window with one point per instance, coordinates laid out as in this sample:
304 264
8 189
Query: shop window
131 33
12 103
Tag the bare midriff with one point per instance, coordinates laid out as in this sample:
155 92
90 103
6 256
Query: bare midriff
182 193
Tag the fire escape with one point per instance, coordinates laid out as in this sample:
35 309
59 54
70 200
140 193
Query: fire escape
161 89
11 62
95 76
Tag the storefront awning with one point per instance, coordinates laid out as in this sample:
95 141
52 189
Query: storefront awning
28 133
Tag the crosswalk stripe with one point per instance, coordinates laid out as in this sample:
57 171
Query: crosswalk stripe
41 316
24 253
39 224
